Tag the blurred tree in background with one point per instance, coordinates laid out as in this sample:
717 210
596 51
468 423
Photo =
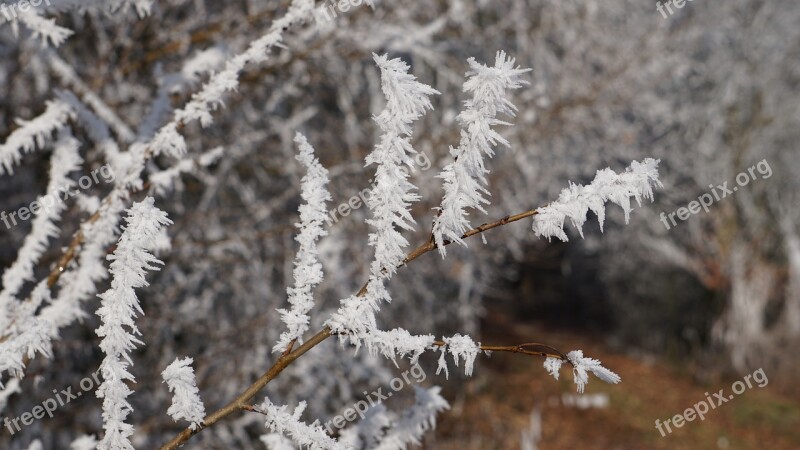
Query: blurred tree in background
710 91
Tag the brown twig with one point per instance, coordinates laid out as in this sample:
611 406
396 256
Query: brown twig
531 349
286 359
289 347
252 408
77 239
241 401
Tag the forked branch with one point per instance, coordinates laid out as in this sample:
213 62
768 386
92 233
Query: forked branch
242 401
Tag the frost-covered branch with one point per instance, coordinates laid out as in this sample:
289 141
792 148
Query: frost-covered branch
161 182
67 74
186 402
581 366
355 320
576 201
465 178
416 421
407 100
307 268
119 307
45 29
65 160
168 139
280 421
33 133
211 95
22 333
82 275
287 359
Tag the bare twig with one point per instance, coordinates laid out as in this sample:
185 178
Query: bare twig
252 408
531 349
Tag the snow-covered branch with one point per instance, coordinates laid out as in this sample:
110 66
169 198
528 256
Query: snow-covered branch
280 421
465 178
119 307
211 95
406 101
576 201
50 206
307 268
581 366
22 333
416 420
186 402
33 133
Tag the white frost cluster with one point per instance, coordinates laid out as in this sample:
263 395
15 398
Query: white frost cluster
79 283
85 442
355 323
162 181
33 133
210 97
465 178
385 430
576 201
355 317
396 342
119 306
22 333
553 366
406 101
311 436
581 366
368 432
44 29
34 338
275 441
186 402
461 347
36 445
307 268
65 159
52 34
416 421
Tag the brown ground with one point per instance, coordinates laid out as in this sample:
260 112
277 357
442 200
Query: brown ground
496 404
